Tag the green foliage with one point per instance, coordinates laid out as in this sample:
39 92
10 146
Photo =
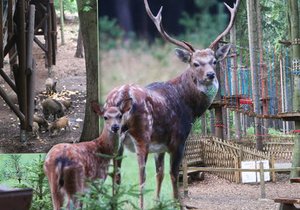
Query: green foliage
69 5
100 197
166 205
14 169
203 27
36 179
110 33
274 22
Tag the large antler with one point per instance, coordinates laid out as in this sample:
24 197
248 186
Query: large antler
233 12
157 20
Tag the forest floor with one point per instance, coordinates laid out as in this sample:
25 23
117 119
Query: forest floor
69 72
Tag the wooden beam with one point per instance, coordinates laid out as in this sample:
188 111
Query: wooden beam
8 80
11 105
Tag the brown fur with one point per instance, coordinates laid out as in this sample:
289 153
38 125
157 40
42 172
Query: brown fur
52 107
42 122
35 129
50 86
60 123
67 166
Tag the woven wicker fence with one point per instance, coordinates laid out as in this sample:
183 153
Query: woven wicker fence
217 153
279 150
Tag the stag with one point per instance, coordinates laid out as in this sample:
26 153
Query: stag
162 113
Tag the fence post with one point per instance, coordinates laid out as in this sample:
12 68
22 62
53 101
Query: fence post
273 174
262 180
237 173
241 153
185 177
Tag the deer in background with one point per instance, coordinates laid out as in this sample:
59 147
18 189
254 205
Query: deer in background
162 113
67 166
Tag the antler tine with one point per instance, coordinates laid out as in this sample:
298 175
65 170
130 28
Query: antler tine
233 12
157 20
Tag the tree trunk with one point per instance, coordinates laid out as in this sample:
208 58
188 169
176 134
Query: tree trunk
88 25
79 49
236 115
253 46
61 6
263 71
124 16
295 38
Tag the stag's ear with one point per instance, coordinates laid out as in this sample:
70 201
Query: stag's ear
183 55
222 52
126 105
97 108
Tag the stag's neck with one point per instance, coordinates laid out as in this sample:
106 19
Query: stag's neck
106 142
197 95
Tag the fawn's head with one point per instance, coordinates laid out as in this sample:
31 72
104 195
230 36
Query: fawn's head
112 115
202 62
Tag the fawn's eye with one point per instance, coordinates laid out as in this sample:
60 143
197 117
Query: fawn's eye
196 64
105 118
215 62
120 116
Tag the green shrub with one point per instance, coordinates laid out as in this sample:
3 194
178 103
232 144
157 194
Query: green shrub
202 27
36 179
110 33
14 169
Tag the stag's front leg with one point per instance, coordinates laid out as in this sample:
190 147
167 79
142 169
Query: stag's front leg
175 159
142 154
159 165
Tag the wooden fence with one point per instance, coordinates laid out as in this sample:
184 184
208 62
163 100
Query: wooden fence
216 153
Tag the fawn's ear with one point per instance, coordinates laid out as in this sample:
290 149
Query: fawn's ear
183 55
97 108
126 105
222 52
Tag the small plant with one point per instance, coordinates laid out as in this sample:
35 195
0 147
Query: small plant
36 179
166 205
14 170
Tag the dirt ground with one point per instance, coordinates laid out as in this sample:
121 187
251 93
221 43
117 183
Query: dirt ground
69 72
219 194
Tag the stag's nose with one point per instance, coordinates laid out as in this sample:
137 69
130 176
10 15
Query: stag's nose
115 128
211 75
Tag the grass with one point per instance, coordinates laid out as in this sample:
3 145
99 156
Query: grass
123 66
129 175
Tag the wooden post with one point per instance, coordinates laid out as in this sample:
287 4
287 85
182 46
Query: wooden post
237 173
262 181
61 6
273 174
20 76
30 71
185 177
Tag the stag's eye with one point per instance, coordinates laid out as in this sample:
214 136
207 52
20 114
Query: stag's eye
105 118
215 62
196 64
120 116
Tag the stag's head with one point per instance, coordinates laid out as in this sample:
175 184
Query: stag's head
202 61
